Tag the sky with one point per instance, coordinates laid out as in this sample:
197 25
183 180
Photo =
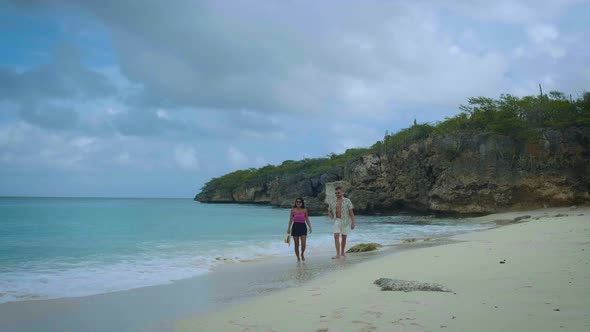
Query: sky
149 98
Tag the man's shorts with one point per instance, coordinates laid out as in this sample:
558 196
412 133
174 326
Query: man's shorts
339 228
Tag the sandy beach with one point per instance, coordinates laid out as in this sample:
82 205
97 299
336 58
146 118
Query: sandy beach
531 275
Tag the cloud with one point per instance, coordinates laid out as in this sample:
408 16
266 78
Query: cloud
186 158
540 33
123 158
508 11
65 77
295 56
49 116
25 146
143 123
260 161
545 36
48 95
351 135
236 157
68 153
304 56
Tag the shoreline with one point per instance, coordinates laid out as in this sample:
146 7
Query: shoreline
318 247
203 294
533 274
135 309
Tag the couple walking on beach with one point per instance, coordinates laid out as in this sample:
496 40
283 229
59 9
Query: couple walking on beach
340 210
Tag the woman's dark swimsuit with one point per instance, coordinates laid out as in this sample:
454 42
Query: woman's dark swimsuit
299 229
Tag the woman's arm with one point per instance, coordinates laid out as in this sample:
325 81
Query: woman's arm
307 221
290 222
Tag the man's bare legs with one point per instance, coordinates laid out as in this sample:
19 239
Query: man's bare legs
296 240
340 245
337 244
303 240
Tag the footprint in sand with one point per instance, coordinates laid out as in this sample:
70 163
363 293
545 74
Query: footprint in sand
338 312
373 314
245 326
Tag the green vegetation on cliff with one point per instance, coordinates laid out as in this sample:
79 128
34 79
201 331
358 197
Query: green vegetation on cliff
519 118
260 176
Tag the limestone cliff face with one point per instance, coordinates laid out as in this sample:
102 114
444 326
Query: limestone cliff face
447 174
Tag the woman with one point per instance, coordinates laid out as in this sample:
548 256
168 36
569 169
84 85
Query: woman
298 219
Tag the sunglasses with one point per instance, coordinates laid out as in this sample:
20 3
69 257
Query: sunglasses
298 202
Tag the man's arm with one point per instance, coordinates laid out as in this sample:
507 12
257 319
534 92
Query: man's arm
351 214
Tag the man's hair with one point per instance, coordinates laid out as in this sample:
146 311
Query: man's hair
338 188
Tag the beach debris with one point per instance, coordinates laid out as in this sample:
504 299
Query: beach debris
557 309
364 247
519 218
560 215
411 240
388 284
503 261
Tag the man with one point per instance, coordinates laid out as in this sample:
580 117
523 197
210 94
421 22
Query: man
341 210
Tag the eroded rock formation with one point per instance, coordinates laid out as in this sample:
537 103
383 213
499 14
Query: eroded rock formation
447 174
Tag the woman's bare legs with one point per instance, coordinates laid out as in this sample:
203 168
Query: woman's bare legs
303 240
296 241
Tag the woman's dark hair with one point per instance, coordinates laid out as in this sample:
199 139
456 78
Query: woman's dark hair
302 202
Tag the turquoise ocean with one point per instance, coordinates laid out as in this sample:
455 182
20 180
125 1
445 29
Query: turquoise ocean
71 247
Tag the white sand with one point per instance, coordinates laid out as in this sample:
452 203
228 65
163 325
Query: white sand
544 285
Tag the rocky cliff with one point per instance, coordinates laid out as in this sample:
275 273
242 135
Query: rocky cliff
444 174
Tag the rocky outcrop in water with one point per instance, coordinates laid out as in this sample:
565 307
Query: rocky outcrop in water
445 174
364 247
